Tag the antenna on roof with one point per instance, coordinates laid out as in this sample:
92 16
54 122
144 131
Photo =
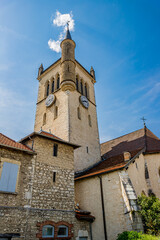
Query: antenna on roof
144 121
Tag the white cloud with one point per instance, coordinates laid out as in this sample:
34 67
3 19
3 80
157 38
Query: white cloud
61 20
54 45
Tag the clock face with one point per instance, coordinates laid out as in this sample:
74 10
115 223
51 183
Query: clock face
50 100
84 101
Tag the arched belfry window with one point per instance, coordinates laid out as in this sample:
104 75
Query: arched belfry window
52 86
77 83
47 89
58 82
86 90
81 87
44 118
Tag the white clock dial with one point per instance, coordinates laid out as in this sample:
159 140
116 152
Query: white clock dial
84 101
50 100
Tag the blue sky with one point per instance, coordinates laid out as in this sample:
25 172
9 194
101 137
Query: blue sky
120 39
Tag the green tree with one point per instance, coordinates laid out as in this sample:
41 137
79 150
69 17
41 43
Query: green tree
132 235
150 211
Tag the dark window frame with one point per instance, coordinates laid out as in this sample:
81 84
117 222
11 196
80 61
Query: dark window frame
54 177
55 150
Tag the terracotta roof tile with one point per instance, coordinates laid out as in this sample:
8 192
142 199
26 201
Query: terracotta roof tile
104 170
8 142
50 135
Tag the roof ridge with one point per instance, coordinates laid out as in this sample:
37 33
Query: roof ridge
8 138
123 135
42 131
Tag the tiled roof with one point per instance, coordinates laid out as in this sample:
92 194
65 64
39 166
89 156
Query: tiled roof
95 172
8 142
113 151
49 136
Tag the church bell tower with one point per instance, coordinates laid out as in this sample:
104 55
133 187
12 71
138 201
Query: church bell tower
66 104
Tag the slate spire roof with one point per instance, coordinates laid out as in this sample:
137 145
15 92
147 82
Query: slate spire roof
68 35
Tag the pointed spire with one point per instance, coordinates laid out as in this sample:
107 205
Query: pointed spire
92 72
40 70
68 35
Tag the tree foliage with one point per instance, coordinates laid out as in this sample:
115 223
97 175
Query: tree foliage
150 211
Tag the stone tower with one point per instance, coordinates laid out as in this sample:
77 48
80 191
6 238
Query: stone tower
68 63
66 105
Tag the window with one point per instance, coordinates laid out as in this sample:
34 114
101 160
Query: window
89 120
55 150
55 112
87 149
146 171
81 87
47 90
54 176
47 231
78 113
85 89
53 86
77 84
62 231
58 82
8 178
52 230
83 238
44 118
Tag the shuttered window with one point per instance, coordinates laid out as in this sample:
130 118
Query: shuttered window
8 177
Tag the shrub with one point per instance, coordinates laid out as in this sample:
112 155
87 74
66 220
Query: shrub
150 211
128 235
136 236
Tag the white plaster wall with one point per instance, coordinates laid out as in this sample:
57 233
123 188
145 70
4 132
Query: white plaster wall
88 196
136 172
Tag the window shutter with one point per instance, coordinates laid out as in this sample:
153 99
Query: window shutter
9 177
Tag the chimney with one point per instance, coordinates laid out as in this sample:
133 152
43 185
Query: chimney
127 156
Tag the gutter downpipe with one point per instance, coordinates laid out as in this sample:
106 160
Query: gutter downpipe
103 209
90 228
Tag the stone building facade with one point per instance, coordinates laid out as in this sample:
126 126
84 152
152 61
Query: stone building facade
130 166
37 192
43 194
52 180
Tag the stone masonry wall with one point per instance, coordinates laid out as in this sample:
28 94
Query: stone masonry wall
38 198
24 221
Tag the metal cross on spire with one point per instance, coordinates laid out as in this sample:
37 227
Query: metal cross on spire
68 25
144 121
